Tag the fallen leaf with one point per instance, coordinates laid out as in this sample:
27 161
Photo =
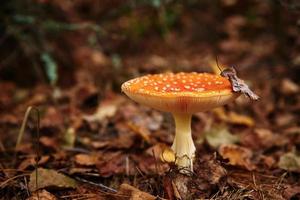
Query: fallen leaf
290 162
289 87
86 159
290 192
209 171
129 192
168 155
69 138
111 163
285 119
49 142
31 162
294 130
83 171
229 2
142 132
49 178
100 144
168 187
180 186
237 155
267 161
238 85
262 139
42 195
149 165
176 192
220 135
157 150
106 109
52 118
233 118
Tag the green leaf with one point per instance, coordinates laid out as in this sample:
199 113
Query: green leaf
290 162
220 135
24 19
50 67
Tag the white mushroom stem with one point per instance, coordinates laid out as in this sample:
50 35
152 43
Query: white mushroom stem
183 145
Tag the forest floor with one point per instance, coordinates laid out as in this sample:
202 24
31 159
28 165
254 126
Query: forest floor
89 141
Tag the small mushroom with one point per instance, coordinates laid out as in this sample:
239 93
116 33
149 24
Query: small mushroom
182 94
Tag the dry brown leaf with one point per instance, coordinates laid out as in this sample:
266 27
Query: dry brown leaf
129 192
111 163
156 149
49 142
209 171
294 130
168 187
168 155
290 161
106 109
52 118
180 186
268 161
143 132
233 118
42 195
290 192
176 192
82 171
85 159
50 178
229 2
262 138
149 165
238 156
31 162
100 144
285 119
289 87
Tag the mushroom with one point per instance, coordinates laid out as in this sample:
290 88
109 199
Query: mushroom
181 94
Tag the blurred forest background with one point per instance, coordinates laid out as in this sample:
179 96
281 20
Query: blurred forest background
69 58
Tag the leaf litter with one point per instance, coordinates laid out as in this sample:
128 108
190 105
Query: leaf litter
96 136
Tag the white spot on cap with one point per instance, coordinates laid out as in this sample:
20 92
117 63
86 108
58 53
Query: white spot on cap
200 89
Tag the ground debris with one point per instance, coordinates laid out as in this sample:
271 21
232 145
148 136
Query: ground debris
234 118
49 178
86 159
43 195
209 176
129 192
220 135
237 156
103 140
290 161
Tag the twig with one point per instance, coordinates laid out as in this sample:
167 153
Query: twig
20 136
21 132
102 186
11 179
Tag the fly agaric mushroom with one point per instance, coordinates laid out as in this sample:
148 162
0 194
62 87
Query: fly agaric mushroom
182 94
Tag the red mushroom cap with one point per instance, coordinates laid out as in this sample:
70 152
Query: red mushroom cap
181 92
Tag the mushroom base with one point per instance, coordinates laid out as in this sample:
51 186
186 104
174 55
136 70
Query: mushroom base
183 144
